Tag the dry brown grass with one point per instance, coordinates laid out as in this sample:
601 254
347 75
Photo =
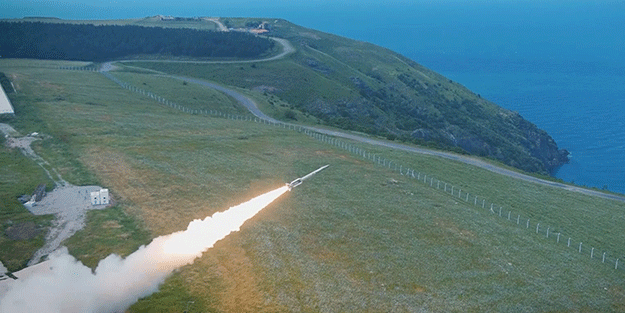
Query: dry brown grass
156 206
235 282
225 273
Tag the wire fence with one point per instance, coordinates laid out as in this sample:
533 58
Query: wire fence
548 232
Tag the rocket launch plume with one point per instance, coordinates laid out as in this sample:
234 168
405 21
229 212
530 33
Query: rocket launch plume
117 283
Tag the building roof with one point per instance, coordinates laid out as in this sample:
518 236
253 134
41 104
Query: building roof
5 104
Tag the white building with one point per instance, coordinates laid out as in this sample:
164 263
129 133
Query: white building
100 197
5 104
104 196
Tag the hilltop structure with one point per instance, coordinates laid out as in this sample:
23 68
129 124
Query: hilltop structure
5 104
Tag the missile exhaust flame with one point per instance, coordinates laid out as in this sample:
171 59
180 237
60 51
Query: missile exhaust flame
118 283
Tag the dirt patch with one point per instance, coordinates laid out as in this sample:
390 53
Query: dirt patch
69 204
235 283
23 231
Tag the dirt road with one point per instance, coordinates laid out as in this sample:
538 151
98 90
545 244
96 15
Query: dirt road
220 25
288 49
253 108
68 203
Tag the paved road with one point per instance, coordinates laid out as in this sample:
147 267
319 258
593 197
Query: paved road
288 49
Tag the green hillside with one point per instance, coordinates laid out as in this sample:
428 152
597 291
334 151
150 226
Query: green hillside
359 236
342 82
359 86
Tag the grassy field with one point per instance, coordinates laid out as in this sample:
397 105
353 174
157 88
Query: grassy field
19 176
185 94
355 238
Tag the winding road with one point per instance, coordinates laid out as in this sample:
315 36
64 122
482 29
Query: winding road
288 49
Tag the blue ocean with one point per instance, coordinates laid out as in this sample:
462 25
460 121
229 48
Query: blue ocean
560 63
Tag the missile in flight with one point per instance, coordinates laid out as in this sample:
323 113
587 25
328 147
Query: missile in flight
300 180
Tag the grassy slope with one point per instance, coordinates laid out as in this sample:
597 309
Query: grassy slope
349 240
18 176
185 94
320 78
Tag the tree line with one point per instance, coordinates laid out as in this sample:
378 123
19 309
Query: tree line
38 40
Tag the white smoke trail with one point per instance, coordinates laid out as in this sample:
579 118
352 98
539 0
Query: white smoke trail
118 283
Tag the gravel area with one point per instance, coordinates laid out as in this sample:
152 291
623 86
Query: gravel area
7 130
69 204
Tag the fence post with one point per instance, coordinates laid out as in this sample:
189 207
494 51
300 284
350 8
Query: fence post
467 199
616 265
592 252
528 223
547 232
558 241
568 243
603 261
499 211
580 247
509 215
518 218
475 201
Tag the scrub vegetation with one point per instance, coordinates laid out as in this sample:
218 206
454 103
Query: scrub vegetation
359 86
355 238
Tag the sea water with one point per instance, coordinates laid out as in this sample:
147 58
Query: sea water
584 112
561 65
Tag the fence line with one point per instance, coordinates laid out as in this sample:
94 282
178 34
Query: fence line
549 232
427 180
